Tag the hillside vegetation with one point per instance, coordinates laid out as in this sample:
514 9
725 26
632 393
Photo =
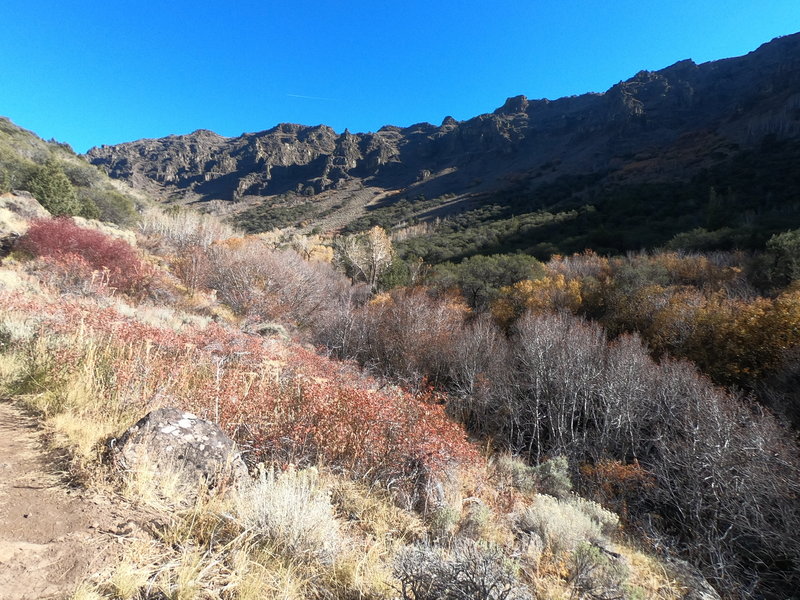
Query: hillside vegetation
552 352
596 462
63 182
739 202
365 490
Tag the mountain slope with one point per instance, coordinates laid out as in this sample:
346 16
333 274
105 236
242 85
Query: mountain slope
670 126
63 181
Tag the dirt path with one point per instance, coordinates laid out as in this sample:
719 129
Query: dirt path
51 536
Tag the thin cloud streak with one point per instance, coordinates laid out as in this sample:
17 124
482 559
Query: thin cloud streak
310 97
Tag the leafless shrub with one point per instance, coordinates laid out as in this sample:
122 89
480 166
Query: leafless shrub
726 477
718 479
277 285
560 360
405 334
471 571
185 228
478 376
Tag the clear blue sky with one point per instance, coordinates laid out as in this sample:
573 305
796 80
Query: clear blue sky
91 73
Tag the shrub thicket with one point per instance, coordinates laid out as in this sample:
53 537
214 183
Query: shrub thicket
722 477
71 247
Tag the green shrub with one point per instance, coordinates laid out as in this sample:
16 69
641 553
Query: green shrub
783 251
522 476
595 574
552 477
564 524
108 205
53 189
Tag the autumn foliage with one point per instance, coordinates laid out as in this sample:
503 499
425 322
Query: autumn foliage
587 360
285 404
81 252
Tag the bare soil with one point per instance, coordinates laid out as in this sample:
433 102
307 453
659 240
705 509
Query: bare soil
52 535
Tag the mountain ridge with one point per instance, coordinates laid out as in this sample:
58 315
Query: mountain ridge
655 126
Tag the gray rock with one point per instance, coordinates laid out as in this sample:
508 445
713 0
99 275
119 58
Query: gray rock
697 587
267 329
17 209
168 438
23 204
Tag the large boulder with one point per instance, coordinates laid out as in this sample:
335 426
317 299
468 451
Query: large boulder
171 440
17 209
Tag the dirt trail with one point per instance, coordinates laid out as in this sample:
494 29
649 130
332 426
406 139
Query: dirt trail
51 536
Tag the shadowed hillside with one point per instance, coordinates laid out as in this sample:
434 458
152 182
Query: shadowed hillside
709 146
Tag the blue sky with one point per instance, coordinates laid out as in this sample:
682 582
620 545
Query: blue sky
91 73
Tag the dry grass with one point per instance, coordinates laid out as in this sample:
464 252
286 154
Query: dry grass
164 316
185 227
372 511
292 510
86 591
290 535
15 280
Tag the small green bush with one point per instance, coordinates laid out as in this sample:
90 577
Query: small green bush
564 524
522 476
53 189
552 477
594 574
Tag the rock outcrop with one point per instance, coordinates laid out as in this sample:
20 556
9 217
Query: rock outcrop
171 440
737 100
17 209
695 585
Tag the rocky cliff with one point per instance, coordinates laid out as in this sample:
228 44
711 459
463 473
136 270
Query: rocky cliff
661 124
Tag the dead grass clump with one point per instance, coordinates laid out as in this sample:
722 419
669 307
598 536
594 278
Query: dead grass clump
372 510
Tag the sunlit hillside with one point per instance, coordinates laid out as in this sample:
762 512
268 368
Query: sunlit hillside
595 426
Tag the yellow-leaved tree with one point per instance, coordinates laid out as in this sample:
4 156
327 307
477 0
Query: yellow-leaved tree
551 293
365 256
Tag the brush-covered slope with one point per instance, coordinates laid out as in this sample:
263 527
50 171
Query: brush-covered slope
361 489
62 181
712 143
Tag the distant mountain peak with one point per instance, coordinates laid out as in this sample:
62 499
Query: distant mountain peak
729 103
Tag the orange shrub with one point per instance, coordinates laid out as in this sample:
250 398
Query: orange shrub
616 484
551 293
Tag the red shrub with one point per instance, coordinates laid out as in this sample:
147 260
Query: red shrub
283 402
62 241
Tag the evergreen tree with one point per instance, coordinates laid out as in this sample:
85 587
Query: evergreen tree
784 250
53 189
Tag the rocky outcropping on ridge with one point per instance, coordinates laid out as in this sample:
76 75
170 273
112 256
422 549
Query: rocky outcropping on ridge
728 103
